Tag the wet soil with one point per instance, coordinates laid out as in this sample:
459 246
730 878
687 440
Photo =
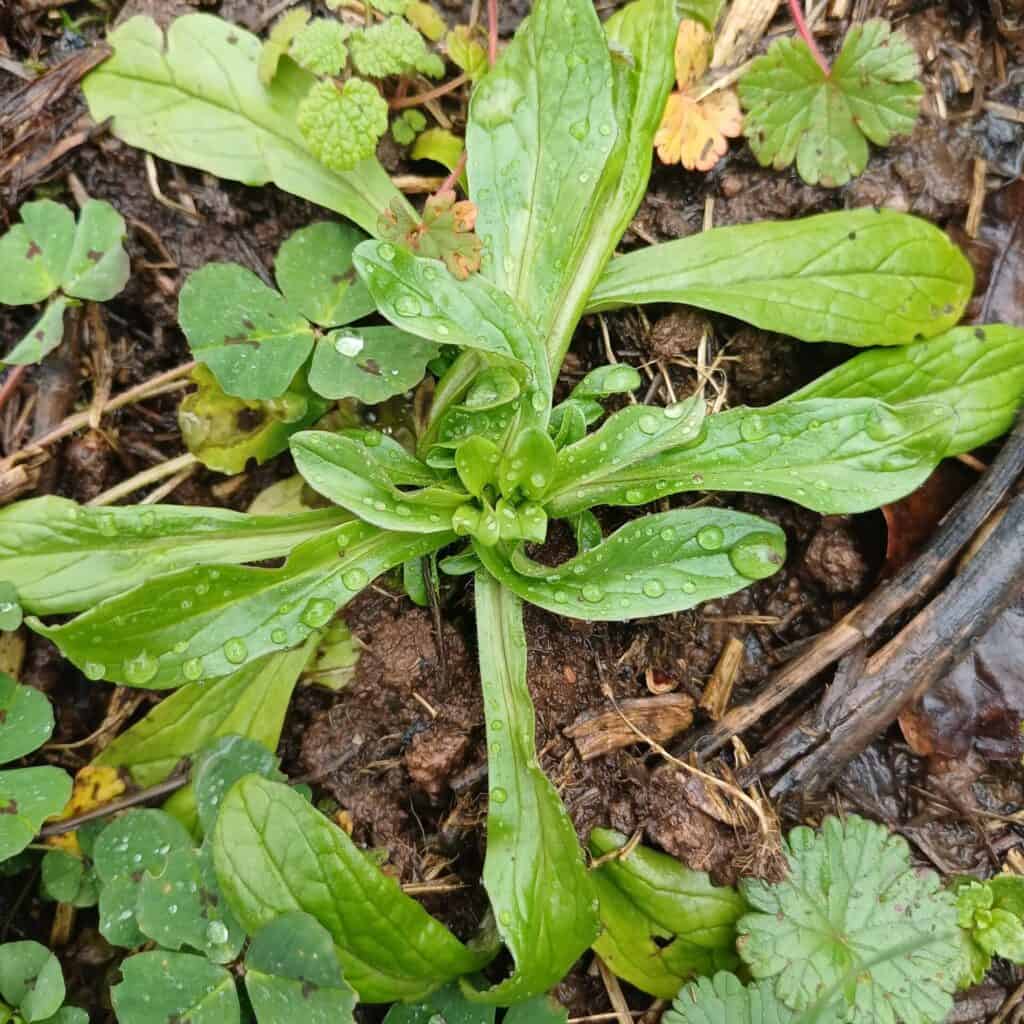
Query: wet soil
398 756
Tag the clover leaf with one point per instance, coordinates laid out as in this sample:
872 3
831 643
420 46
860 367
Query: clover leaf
824 121
854 916
32 986
48 254
255 340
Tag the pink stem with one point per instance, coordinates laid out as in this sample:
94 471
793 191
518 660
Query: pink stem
805 33
10 385
449 182
492 30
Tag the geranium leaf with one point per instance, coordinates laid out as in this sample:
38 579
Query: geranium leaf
196 99
977 371
724 999
314 271
204 623
862 277
225 432
63 557
293 976
253 340
825 121
175 986
853 914
542 896
651 566
388 945
370 364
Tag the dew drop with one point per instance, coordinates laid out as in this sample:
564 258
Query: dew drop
140 669
710 538
654 588
561 597
757 556
633 496
216 933
498 795
279 636
753 427
348 345
94 670
235 650
386 251
591 592
882 425
192 669
318 612
355 579
648 424
408 305
689 586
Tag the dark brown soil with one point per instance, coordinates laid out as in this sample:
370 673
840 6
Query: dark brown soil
399 755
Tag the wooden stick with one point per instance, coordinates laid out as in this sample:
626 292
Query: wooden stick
913 582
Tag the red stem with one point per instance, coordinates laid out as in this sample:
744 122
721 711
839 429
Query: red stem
449 182
10 385
492 30
805 33
417 100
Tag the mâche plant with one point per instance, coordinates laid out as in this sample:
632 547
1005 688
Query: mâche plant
559 145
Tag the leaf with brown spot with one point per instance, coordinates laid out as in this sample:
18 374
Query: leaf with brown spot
447 232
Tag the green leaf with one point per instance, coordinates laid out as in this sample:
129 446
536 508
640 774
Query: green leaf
389 946
663 923
31 980
977 371
830 455
448 1003
26 719
277 42
251 702
824 121
439 145
466 51
542 127
181 906
651 566
292 974
28 796
392 47
342 124
204 623
162 986
339 468
67 879
314 271
249 336
63 557
196 99
225 432
137 842
220 765
542 1010
10 613
320 46
991 915
542 896
48 251
862 277
723 999
613 379
704 11
370 364
593 467
43 337
854 913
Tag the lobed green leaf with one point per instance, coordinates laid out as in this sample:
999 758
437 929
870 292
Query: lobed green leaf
862 277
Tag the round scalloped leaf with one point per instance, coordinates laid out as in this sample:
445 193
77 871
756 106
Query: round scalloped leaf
314 271
28 796
26 719
163 986
320 46
251 338
42 338
220 765
341 127
31 980
33 254
370 364
854 916
724 1000
293 976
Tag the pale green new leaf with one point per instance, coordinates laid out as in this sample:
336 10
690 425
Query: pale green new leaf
830 455
162 986
293 976
542 128
977 371
196 99
63 557
340 468
662 923
543 899
204 623
863 277
275 853
252 702
854 913
656 565
824 121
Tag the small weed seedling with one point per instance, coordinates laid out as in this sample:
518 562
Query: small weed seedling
559 142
